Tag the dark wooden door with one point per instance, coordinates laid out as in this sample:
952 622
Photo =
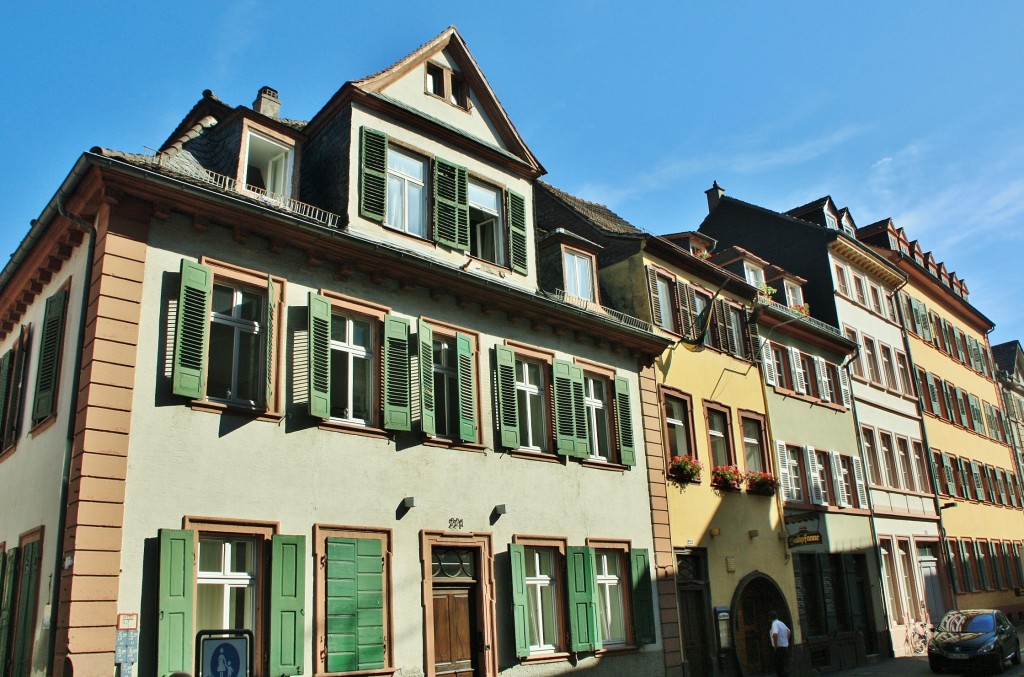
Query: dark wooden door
693 616
454 630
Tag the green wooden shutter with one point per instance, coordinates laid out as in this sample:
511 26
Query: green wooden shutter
642 597
517 233
520 618
685 304
582 599
947 470
287 604
953 577
467 388
28 597
397 376
508 401
655 295
355 604
580 412
192 333
14 397
270 344
10 569
968 569
319 362
565 411
177 579
428 412
979 557
373 177
451 205
624 419
997 564
933 394
6 363
50 353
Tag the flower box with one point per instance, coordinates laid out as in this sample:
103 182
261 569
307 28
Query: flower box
761 483
726 477
685 469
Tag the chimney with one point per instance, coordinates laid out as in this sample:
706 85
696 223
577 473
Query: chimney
714 193
267 102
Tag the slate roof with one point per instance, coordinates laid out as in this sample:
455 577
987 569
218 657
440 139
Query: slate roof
1006 355
810 206
599 215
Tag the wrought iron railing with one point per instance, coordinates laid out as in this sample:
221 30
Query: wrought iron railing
562 296
796 314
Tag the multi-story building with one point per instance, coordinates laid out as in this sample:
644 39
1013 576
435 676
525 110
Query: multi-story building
298 380
822 475
720 544
1009 359
852 287
964 425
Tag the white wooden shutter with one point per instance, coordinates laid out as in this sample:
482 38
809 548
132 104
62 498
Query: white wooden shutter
844 386
824 392
858 479
842 499
814 481
797 370
768 362
783 458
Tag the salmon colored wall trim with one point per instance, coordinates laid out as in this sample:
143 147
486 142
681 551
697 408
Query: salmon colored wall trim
99 464
664 557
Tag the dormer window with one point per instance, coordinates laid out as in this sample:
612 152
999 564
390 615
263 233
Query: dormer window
579 274
446 84
794 294
753 274
267 166
486 232
847 227
831 222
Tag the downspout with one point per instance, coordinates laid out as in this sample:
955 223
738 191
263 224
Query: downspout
944 546
90 228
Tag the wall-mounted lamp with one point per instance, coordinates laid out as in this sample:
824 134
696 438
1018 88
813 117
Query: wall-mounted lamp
410 502
715 531
753 534
501 509
947 506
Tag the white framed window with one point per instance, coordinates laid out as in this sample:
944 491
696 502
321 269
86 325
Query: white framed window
351 368
665 295
753 274
407 192
579 274
734 318
846 471
842 280
753 446
903 367
595 400
889 368
678 420
237 344
830 221
876 298
611 606
794 293
700 302
905 464
446 386
267 165
486 230
824 462
542 595
226 583
530 389
871 357
718 434
859 290
796 478
856 364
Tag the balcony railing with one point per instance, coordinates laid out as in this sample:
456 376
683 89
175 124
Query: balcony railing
562 296
273 200
796 314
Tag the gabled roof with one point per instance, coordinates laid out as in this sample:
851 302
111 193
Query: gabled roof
812 206
450 40
596 214
1006 355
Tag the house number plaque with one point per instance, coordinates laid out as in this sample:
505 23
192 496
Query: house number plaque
455 523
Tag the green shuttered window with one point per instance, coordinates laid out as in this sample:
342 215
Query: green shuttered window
8 577
373 159
508 401
192 330
354 604
517 233
51 346
287 604
174 627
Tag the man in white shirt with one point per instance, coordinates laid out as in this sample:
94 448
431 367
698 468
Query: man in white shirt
780 635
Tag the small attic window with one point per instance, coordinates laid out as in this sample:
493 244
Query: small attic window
267 166
831 222
446 84
847 227
753 274
794 294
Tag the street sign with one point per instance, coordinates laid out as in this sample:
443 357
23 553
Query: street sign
224 653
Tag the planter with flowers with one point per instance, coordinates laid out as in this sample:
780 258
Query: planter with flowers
802 308
763 483
684 469
726 478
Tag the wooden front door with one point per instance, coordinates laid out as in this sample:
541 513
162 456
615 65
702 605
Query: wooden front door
753 645
456 616
694 611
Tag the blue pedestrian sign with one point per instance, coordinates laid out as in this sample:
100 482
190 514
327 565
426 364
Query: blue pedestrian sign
224 655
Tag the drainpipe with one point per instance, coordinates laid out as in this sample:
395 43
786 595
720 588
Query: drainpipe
943 547
90 229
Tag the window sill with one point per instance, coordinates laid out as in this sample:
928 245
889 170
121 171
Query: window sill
8 452
353 429
238 410
556 657
536 456
445 443
43 425
500 269
786 392
358 673
604 465
626 648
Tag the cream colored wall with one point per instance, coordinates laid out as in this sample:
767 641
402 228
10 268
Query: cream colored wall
185 462
30 474
425 248
411 90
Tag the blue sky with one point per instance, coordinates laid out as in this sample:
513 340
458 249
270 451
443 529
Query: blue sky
910 110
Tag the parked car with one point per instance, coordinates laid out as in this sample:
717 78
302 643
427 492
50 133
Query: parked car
973 638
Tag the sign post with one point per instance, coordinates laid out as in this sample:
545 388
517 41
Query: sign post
224 653
126 647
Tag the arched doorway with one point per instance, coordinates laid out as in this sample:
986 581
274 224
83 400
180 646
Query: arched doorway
756 596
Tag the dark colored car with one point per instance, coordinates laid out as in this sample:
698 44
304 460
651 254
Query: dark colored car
973 638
